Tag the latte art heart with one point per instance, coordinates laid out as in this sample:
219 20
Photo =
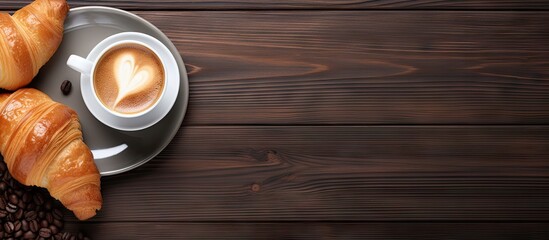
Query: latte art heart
129 79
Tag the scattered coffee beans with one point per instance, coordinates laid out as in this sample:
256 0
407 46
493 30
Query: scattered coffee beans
29 212
66 87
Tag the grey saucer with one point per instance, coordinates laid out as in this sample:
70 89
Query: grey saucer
84 28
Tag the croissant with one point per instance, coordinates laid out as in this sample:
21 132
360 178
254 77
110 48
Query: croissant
42 146
28 39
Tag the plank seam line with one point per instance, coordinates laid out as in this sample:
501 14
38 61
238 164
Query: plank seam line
370 125
326 221
319 9
344 9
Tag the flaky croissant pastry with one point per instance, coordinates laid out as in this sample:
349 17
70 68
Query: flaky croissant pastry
42 146
28 39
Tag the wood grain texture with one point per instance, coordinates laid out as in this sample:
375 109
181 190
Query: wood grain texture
348 67
345 67
339 174
300 4
352 67
302 231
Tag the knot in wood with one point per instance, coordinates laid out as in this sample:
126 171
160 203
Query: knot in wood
255 187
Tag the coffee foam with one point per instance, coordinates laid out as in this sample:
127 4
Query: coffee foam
129 79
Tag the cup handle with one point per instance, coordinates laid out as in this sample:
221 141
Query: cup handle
80 64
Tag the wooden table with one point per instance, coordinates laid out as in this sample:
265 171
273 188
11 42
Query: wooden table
346 120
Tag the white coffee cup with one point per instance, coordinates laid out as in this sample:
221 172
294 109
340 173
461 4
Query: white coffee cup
135 121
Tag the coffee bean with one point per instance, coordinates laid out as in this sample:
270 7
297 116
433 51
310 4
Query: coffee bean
17 225
38 199
45 232
11 208
19 192
66 87
19 214
18 234
31 206
11 217
9 227
58 236
54 229
49 217
58 223
57 214
31 215
2 203
44 223
66 236
48 205
14 184
29 235
22 205
13 199
29 212
25 225
34 226
27 197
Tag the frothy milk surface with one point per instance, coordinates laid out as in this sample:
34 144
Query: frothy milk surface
129 79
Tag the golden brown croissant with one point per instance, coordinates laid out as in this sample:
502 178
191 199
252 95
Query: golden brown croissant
28 39
42 146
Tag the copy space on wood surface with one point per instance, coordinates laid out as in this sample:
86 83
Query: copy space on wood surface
339 173
318 67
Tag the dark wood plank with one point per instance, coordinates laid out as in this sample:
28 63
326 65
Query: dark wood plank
389 231
352 67
339 173
301 4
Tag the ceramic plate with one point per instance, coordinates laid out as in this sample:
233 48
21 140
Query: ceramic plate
115 151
